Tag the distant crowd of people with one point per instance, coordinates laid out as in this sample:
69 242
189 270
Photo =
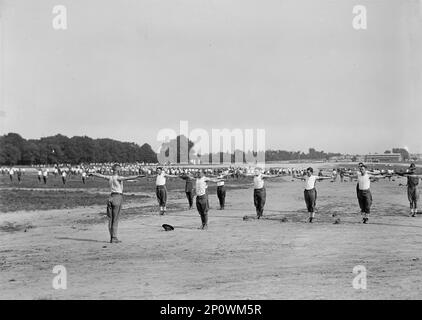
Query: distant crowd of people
66 171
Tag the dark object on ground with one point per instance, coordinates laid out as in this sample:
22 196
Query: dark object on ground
168 227
337 221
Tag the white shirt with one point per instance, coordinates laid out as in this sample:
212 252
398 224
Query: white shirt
220 183
45 173
116 186
258 182
161 179
201 186
40 173
64 174
363 181
310 182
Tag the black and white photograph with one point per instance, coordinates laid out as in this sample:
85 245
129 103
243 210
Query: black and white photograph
210 150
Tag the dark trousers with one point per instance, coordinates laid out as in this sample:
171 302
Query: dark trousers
365 200
202 205
259 197
161 192
310 199
189 196
114 205
413 196
221 194
45 179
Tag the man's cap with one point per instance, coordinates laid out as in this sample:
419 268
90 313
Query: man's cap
167 227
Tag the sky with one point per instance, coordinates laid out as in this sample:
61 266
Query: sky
295 68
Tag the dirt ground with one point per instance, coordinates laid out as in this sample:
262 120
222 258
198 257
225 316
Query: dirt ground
235 258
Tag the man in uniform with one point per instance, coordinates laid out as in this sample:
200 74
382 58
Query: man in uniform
412 188
114 203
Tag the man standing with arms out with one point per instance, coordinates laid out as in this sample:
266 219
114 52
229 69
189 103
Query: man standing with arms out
189 188
363 191
161 189
412 188
45 175
64 174
310 192
11 173
83 176
342 175
114 203
259 193
334 175
19 173
221 193
39 175
221 189
202 203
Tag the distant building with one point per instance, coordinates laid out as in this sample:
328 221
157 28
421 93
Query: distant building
346 158
385 157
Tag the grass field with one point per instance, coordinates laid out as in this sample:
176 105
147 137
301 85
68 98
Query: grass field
33 195
279 257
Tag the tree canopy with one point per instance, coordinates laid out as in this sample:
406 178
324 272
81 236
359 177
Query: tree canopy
15 150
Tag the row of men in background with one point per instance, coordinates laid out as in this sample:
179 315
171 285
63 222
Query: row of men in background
82 170
124 168
362 176
235 171
148 169
13 171
63 172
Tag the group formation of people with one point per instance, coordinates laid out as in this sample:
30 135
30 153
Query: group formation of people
196 181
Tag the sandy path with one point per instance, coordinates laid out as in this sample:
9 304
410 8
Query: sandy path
234 259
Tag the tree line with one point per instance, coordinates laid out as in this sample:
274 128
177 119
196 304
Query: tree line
15 150
282 155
